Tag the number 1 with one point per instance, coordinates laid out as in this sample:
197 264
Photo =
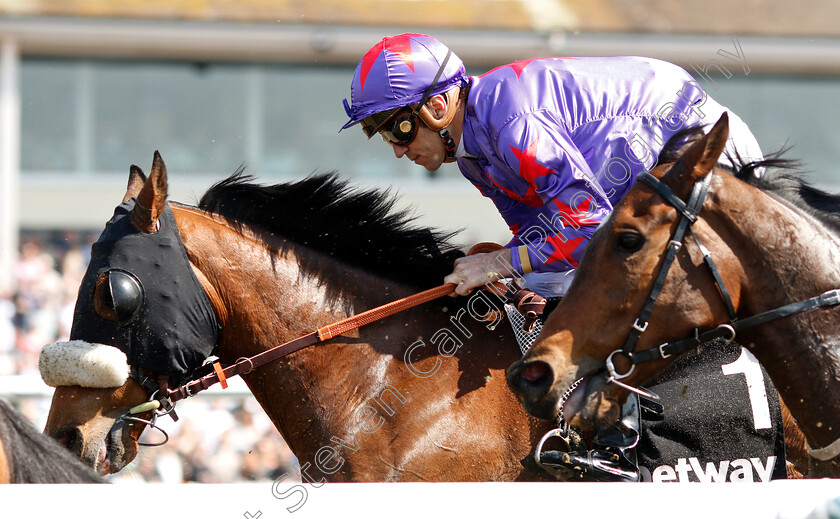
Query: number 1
749 366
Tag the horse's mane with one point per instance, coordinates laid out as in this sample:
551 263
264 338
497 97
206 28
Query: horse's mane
781 177
357 227
36 458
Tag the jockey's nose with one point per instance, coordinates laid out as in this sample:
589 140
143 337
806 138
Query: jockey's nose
399 151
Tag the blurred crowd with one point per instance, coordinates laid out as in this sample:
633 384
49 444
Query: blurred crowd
218 439
215 440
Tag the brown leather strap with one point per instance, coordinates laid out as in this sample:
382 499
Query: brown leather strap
530 305
242 366
331 330
246 364
484 247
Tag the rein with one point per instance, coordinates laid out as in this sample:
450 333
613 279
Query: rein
246 364
690 213
528 303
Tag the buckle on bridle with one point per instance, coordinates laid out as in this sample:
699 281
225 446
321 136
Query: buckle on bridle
831 298
640 329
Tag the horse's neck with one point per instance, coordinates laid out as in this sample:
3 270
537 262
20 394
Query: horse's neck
792 257
785 254
259 279
267 299
406 374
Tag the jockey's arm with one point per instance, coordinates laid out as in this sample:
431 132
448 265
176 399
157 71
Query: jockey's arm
537 178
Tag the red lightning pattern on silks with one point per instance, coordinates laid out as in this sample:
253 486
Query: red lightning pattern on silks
563 249
530 198
576 217
529 170
398 45
518 66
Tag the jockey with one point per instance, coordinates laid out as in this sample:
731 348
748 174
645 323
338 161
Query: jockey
555 143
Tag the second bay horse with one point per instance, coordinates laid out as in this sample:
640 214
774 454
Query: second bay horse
692 253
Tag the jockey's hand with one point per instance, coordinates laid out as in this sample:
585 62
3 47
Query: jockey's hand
479 269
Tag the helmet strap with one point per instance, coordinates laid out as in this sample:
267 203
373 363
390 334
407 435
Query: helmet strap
428 92
448 142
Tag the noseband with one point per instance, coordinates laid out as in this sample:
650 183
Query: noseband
689 212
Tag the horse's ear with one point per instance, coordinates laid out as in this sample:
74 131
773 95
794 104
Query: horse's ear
136 178
715 143
700 158
152 199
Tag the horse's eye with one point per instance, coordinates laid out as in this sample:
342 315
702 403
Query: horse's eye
629 242
118 296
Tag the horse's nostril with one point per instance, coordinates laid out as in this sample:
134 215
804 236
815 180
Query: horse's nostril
532 380
534 371
71 439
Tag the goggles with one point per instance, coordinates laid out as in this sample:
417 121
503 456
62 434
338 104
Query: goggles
399 126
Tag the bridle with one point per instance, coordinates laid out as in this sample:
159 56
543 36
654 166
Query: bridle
689 213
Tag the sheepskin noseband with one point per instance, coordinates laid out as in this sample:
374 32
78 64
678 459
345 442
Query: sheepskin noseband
80 363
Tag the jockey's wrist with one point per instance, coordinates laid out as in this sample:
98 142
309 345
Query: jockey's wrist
520 261
499 265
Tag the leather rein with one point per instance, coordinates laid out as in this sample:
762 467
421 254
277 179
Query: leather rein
164 397
690 212
527 302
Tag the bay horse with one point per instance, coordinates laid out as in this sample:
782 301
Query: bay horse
418 396
691 254
28 456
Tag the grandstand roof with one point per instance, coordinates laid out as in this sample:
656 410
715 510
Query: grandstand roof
744 18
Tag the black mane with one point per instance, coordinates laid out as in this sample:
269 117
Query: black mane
357 227
35 457
782 178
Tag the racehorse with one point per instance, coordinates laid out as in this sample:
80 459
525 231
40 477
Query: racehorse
28 456
691 254
419 396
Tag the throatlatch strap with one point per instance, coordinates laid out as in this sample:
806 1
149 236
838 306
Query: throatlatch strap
710 263
829 298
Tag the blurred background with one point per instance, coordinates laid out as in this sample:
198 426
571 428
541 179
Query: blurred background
89 87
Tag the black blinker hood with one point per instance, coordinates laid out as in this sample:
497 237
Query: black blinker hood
175 329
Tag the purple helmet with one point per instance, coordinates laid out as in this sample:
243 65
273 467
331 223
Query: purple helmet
397 72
